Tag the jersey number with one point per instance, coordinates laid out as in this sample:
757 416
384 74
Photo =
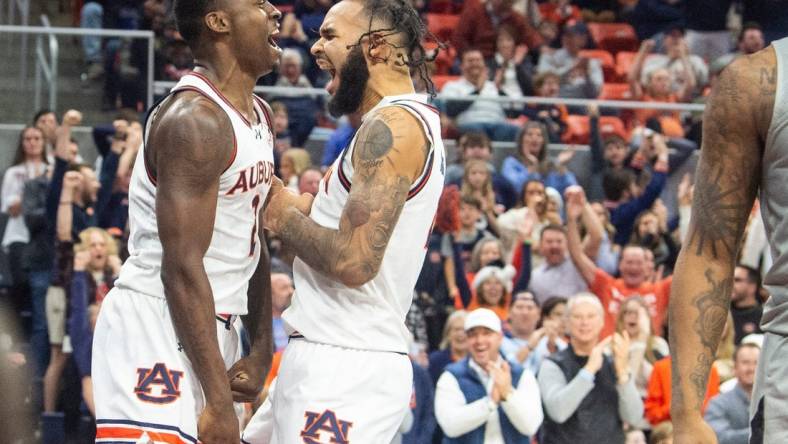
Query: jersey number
255 206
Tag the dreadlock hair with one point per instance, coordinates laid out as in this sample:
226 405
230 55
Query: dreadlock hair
402 18
189 16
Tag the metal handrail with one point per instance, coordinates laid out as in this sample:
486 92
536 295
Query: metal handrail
47 69
23 6
56 31
162 87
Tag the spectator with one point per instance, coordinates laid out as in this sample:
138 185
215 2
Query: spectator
492 287
477 182
557 276
608 151
281 123
552 328
707 32
624 198
688 72
580 77
522 336
477 146
178 60
651 233
29 163
635 436
552 116
588 396
301 109
91 17
745 306
340 139
281 293
293 162
531 162
560 12
529 9
483 398
728 413
608 252
657 403
419 424
465 238
453 346
46 121
477 115
487 251
309 181
479 21
645 347
775 26
651 18
751 39
512 69
95 267
534 204
632 269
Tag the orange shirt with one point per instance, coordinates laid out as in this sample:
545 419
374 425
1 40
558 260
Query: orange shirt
613 292
657 404
669 120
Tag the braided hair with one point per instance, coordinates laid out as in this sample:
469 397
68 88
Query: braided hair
402 19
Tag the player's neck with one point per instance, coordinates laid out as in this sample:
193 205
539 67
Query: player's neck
228 77
377 89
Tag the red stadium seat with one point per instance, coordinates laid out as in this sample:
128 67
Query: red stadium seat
578 128
614 37
605 59
440 80
442 25
615 91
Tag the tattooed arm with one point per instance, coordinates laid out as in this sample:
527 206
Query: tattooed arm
735 125
388 156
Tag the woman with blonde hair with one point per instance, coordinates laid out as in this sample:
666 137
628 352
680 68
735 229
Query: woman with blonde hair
477 182
453 346
294 161
645 348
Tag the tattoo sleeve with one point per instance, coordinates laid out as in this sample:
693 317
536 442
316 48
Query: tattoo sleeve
726 182
382 177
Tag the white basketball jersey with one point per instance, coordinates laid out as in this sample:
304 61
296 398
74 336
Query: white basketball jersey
371 317
235 246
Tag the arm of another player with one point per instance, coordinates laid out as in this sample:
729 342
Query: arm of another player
247 376
194 143
388 156
735 124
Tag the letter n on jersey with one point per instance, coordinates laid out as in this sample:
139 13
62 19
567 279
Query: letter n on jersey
335 429
158 384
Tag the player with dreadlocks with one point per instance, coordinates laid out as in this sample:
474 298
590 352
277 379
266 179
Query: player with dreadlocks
345 375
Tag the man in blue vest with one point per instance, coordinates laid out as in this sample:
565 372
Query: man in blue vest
483 399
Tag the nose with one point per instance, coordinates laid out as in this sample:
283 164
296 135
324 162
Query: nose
276 14
317 48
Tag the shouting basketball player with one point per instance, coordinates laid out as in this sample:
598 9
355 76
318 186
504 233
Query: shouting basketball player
345 375
745 148
166 354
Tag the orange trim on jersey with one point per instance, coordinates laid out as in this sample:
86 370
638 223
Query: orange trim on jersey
130 432
221 96
235 139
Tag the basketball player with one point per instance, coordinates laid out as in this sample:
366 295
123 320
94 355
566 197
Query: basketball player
168 333
345 375
745 148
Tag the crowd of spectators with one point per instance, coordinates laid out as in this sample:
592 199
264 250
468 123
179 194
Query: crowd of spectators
541 311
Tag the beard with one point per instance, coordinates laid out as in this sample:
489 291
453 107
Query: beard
353 79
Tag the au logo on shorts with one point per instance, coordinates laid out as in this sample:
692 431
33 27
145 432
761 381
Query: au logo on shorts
325 424
158 384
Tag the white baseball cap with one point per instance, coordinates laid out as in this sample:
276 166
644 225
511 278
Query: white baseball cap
483 317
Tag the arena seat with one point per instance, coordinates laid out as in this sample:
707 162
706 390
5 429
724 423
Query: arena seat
614 37
578 130
615 91
606 60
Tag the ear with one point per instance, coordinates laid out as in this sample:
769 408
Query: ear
380 51
217 21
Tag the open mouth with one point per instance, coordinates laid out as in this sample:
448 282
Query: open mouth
272 38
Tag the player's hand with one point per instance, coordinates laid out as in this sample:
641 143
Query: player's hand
693 431
279 200
247 377
218 425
